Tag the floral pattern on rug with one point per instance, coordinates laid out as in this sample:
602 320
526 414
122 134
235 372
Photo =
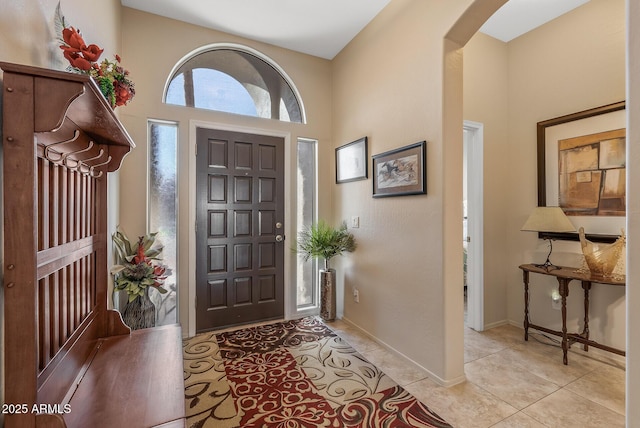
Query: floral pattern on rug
292 374
340 374
208 398
271 390
266 338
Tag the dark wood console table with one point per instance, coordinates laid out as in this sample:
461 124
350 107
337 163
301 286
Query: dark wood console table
565 275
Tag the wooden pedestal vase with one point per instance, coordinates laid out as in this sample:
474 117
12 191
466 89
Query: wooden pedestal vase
140 313
328 294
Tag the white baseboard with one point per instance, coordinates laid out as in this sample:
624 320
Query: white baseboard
437 379
496 324
601 354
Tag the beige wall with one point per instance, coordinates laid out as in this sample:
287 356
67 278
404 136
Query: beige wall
574 63
513 88
147 34
571 64
28 32
387 85
486 101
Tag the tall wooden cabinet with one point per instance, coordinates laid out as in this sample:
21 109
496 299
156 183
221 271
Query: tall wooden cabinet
60 138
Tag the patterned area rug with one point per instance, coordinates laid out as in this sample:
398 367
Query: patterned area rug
291 374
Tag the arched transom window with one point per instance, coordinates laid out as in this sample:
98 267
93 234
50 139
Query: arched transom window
237 81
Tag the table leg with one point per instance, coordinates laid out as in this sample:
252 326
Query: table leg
563 288
525 280
586 286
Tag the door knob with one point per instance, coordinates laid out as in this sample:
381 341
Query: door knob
279 238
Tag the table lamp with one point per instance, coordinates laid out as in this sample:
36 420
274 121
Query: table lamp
548 219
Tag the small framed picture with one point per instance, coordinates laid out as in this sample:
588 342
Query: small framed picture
400 172
351 161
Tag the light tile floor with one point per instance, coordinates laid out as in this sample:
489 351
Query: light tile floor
511 383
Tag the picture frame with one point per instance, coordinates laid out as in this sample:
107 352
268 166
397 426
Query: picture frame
574 173
351 161
400 172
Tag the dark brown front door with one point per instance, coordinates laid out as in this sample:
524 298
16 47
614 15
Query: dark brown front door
240 227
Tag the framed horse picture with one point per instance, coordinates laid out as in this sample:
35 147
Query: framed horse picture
400 172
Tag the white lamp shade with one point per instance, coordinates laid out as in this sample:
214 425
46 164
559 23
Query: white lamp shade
548 219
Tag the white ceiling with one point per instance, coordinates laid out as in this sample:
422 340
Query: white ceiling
323 28
517 17
316 27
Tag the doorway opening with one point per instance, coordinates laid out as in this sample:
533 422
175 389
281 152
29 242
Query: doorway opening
473 236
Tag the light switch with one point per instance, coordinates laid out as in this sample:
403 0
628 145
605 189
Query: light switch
355 222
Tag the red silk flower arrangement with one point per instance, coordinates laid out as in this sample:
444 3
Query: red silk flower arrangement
110 76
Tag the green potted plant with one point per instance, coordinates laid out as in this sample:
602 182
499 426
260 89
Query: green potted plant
137 270
321 241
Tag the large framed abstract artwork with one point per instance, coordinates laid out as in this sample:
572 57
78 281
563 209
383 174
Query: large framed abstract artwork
400 172
582 169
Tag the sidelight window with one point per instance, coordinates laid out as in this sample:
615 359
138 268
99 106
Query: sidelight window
162 211
307 278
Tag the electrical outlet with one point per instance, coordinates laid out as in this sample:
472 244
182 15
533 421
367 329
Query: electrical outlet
556 301
355 222
356 295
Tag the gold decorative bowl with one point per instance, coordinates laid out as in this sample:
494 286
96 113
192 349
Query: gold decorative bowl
601 258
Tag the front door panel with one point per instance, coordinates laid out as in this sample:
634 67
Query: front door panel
239 219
